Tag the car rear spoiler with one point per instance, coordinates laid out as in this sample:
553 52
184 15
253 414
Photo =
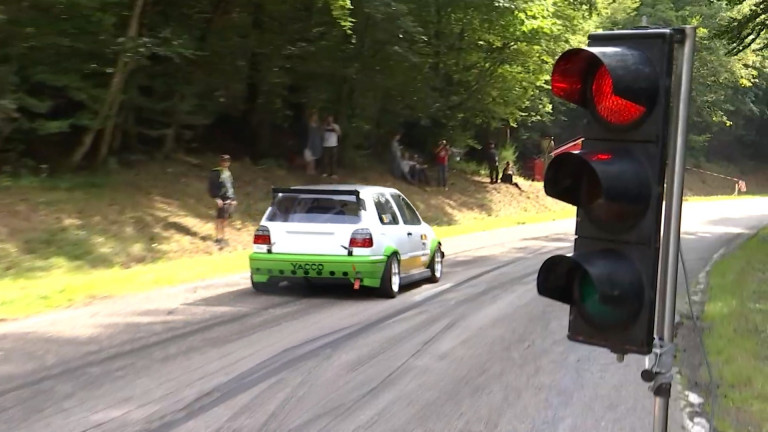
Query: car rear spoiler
312 191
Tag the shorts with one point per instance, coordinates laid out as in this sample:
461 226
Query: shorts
225 211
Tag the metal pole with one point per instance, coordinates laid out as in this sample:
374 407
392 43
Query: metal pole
672 215
669 196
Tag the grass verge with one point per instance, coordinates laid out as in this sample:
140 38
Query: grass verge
21 297
27 296
489 224
66 240
736 340
721 197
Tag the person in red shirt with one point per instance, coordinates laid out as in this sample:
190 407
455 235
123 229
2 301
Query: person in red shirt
441 160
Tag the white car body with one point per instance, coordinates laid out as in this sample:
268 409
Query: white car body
316 223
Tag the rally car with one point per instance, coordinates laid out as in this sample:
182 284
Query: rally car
367 236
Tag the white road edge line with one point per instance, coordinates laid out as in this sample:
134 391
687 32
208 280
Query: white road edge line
432 292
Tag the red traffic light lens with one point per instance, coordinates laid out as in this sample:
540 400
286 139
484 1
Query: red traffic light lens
610 107
617 85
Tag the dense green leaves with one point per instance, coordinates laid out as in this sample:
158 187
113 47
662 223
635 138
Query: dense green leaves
242 75
746 25
727 90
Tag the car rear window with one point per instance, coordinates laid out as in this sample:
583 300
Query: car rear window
314 209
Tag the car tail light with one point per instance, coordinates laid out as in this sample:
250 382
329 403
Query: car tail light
261 236
361 238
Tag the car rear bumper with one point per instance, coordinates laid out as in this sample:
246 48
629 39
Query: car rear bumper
368 269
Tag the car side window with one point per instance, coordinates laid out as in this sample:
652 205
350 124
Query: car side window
409 214
387 213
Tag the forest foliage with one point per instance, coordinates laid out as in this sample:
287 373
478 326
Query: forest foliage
86 82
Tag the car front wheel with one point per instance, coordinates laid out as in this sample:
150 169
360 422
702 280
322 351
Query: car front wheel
390 280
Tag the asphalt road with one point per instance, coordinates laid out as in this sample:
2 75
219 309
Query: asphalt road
479 351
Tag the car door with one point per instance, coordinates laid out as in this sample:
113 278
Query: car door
391 228
418 246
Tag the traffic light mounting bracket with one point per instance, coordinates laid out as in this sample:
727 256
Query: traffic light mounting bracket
658 368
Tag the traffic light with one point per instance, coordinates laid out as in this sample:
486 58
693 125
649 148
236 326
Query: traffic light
623 81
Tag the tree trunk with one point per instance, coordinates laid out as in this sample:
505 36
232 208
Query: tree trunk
170 138
208 27
106 136
111 101
106 142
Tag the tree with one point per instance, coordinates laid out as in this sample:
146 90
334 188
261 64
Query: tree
725 88
241 75
746 26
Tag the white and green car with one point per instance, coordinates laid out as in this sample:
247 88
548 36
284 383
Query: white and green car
364 235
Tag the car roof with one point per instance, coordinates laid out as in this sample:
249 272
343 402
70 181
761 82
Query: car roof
363 188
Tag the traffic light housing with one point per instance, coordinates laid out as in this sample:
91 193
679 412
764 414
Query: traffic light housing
623 80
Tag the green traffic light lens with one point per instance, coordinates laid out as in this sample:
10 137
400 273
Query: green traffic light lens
594 307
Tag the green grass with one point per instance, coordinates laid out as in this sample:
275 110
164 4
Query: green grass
69 285
62 182
737 336
22 297
721 197
502 222
69 239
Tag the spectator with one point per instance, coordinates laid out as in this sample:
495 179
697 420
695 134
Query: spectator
221 188
507 175
405 166
419 171
395 156
493 162
314 148
330 146
441 159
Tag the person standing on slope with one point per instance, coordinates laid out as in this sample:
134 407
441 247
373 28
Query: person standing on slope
330 146
222 189
441 160
314 149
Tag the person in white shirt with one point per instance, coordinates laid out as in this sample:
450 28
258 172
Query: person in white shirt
395 156
331 135
406 165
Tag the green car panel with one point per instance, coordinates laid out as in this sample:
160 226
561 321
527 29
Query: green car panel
433 246
368 268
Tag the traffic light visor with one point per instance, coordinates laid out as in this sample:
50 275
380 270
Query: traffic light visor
618 85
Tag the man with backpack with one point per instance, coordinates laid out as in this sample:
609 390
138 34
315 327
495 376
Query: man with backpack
221 188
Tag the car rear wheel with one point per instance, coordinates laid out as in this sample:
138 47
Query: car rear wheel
436 265
390 280
260 286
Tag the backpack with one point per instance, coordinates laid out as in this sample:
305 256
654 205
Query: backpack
214 183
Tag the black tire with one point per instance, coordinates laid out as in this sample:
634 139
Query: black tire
436 265
260 286
390 279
